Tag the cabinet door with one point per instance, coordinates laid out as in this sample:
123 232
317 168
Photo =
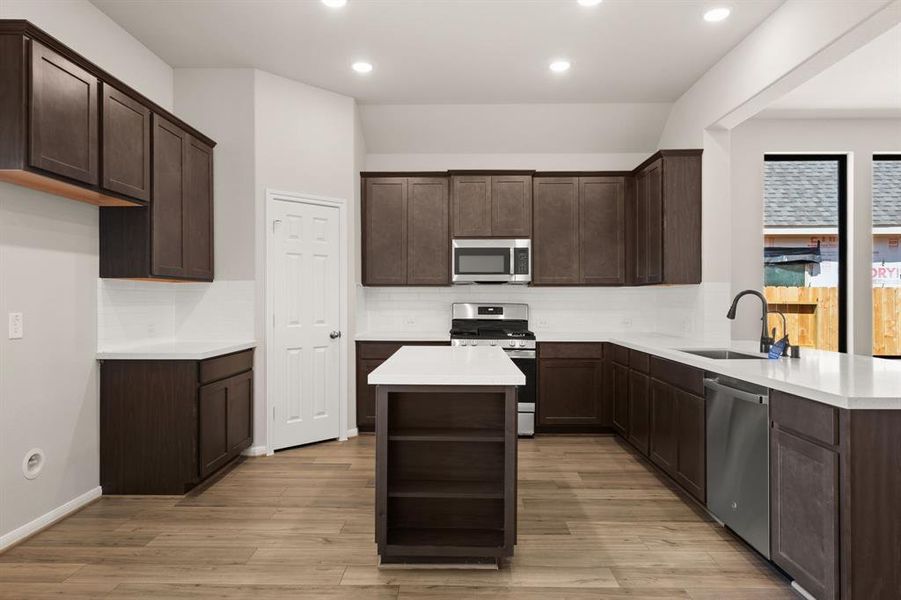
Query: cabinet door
601 230
804 520
213 427
385 231
428 258
198 211
239 413
570 392
472 205
511 206
167 207
639 411
366 394
648 238
64 117
555 231
691 434
620 393
126 145
663 440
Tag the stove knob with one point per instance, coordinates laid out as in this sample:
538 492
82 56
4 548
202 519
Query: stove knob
512 343
463 342
494 342
522 344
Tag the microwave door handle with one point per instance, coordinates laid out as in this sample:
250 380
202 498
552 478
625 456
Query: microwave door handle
512 270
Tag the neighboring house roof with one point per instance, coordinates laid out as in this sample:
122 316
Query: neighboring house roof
805 194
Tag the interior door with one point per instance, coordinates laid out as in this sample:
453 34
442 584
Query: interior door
304 380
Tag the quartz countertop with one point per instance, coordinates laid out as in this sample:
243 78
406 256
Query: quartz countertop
841 380
174 350
446 365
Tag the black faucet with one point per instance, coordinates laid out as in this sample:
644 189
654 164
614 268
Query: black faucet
765 340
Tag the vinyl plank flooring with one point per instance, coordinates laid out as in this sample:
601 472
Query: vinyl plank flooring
594 523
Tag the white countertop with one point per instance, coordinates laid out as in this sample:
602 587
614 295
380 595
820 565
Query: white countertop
842 380
445 365
174 350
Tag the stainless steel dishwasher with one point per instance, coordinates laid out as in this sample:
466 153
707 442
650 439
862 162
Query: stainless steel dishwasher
738 458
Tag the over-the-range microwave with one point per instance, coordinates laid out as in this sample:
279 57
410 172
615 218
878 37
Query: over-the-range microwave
492 261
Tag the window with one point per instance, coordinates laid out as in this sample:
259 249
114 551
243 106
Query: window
805 247
887 255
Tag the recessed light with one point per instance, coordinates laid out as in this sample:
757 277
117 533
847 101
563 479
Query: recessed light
560 66
715 15
334 3
589 2
361 67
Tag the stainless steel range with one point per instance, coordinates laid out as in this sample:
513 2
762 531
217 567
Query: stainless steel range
506 326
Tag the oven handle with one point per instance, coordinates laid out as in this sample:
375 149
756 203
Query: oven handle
520 353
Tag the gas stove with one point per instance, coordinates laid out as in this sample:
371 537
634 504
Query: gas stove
506 326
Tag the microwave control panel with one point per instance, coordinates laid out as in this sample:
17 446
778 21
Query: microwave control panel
520 261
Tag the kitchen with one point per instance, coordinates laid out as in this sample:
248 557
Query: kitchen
600 225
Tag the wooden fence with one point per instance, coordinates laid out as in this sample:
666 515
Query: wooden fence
812 316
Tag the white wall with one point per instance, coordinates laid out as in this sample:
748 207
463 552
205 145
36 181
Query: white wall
860 138
48 270
305 143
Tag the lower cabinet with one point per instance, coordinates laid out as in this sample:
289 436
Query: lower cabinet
639 411
571 387
166 425
619 391
369 356
664 446
691 443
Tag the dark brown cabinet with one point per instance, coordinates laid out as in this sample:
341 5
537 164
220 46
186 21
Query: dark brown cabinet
571 387
369 356
406 238
639 411
64 117
486 205
620 398
578 236
225 409
173 237
126 145
663 441
664 219
166 425
691 437
71 129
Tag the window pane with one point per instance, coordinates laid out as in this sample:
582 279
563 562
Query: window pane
801 248
886 257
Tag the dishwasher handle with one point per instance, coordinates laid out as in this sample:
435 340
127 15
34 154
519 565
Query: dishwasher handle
716 386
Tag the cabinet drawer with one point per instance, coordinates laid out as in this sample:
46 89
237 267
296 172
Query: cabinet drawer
214 369
384 350
639 361
676 374
816 421
620 355
586 350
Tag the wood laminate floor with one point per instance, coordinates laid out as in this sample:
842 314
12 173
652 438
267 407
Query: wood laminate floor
594 522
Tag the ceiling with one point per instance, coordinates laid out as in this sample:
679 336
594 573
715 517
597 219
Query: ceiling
865 84
451 51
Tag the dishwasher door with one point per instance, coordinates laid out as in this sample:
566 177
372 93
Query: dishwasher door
738 458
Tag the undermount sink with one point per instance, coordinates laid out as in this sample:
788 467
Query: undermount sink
725 354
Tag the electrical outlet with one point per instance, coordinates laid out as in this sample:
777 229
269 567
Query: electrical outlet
543 323
627 323
16 326
409 321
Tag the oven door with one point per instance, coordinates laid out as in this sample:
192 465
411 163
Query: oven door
478 261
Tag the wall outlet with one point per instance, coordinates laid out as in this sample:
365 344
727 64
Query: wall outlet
16 326
409 321
627 323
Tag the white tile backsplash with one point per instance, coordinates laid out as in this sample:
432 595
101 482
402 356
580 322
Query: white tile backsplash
138 312
677 310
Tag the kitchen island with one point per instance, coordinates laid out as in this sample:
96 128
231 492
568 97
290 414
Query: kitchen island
446 455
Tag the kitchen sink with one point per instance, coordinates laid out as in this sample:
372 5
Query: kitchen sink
725 354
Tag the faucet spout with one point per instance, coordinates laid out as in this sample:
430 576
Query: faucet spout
765 340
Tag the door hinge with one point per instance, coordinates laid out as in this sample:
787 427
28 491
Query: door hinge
273 413
274 223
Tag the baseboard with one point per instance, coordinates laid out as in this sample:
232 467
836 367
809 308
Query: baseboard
352 432
255 451
29 529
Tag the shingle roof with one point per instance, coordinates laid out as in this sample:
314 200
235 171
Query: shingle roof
805 193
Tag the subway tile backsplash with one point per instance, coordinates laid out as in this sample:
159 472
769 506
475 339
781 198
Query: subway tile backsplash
697 310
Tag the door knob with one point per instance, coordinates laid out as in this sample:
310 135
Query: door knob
335 335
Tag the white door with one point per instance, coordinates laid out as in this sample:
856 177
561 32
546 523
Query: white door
305 281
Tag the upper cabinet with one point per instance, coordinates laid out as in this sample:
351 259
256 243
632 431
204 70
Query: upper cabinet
579 231
492 205
71 129
665 219
405 226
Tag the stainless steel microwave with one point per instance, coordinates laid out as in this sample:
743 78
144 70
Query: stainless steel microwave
492 261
